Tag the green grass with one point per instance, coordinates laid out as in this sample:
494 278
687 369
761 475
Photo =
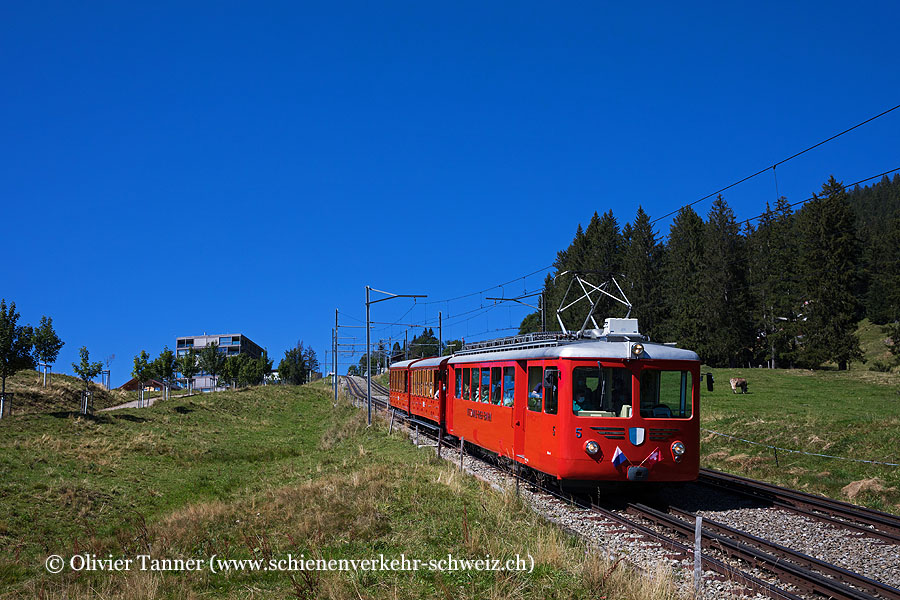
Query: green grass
259 473
854 414
62 394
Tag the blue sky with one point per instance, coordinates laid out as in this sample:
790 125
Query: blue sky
177 168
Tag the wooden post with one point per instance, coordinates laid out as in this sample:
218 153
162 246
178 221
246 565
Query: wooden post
391 428
440 441
462 448
417 436
698 533
516 474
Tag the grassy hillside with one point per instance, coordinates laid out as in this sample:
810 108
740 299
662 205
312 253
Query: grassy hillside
63 394
259 473
873 342
853 414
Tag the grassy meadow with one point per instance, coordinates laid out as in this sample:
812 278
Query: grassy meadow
259 473
853 414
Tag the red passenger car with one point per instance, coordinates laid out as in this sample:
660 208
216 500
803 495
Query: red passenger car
604 407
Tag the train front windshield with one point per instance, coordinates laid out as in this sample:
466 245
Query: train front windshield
601 392
606 393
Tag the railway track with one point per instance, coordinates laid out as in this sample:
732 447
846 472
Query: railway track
863 520
358 390
807 576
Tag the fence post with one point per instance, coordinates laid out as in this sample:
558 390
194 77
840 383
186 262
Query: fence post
698 533
517 473
440 441
462 448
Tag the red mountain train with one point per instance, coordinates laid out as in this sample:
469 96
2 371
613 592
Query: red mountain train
610 406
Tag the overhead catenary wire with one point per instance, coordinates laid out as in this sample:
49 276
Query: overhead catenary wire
780 162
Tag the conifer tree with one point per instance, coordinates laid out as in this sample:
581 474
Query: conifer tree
642 267
828 269
683 285
724 308
772 250
604 246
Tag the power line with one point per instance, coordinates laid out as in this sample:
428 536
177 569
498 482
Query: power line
490 288
813 197
761 171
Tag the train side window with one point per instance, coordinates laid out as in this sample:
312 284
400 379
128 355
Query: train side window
535 388
485 385
551 390
496 385
509 386
405 382
465 383
457 376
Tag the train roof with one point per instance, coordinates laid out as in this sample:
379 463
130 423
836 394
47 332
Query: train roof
431 362
589 349
420 362
403 364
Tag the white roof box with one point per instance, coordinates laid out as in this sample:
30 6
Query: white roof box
620 327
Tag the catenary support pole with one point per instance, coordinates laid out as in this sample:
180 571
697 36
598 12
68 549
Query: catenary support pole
368 365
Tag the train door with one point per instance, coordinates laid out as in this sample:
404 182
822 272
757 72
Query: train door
521 398
541 415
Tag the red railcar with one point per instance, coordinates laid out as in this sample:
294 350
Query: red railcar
399 397
601 408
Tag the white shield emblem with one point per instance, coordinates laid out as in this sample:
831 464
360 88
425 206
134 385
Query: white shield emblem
636 435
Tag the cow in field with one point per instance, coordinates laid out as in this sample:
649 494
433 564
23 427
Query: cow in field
737 382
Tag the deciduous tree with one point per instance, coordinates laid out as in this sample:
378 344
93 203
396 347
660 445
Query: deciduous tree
187 364
15 344
46 344
212 361
85 369
141 372
293 369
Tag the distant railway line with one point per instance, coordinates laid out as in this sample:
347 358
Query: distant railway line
750 561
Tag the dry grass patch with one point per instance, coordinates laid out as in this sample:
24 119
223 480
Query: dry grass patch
874 484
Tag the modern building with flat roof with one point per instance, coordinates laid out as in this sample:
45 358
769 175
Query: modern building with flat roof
229 344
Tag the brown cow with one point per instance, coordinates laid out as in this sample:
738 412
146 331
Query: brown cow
737 382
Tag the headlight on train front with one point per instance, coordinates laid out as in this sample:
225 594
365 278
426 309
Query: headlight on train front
677 451
592 447
637 350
